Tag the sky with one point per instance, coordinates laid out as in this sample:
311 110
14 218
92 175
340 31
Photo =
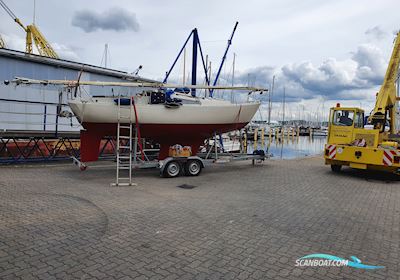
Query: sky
320 52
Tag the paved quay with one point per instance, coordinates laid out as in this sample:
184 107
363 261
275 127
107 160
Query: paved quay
238 222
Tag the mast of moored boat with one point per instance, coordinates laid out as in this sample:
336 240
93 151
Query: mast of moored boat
233 74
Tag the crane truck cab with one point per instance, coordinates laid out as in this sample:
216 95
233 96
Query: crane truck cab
342 124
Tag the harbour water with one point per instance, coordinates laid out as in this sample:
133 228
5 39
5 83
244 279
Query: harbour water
290 148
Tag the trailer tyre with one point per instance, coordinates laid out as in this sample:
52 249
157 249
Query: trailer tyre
193 167
336 167
173 169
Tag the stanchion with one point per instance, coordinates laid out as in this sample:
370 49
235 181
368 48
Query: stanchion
262 137
255 138
245 142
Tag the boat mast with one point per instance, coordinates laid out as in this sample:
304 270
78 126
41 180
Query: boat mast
209 75
270 100
194 60
224 57
77 83
233 74
196 44
283 113
184 66
105 55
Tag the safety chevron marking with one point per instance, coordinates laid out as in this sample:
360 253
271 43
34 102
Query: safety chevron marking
388 156
332 151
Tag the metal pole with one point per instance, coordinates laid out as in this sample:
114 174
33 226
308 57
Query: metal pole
233 74
135 146
105 55
202 59
44 117
269 105
58 110
184 66
283 114
206 71
209 75
397 94
248 84
270 100
34 12
131 103
118 139
194 61
215 146
224 57
176 59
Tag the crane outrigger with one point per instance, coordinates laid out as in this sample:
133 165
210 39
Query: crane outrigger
350 140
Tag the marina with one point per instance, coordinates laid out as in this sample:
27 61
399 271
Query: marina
294 148
196 148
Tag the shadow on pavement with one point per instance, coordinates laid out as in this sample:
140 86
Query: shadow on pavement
368 175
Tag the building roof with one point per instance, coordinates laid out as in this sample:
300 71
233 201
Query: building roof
70 65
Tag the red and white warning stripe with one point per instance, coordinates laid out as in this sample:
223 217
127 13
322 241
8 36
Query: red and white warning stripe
332 151
388 156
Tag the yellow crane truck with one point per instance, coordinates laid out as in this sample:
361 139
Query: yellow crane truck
371 144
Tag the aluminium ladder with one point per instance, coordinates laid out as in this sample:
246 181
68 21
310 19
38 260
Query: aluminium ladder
124 144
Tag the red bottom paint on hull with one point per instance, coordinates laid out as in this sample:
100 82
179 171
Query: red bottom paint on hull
166 135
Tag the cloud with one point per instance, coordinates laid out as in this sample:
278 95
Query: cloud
328 76
376 33
332 79
65 52
355 78
371 66
261 75
115 19
15 42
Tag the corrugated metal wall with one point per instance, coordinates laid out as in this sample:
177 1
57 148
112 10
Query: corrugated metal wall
29 116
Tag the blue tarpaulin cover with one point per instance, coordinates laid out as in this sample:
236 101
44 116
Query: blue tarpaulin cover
124 101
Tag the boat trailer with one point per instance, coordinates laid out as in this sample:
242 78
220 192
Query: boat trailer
171 167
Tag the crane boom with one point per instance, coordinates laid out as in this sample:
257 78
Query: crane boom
11 14
33 35
8 10
386 97
43 47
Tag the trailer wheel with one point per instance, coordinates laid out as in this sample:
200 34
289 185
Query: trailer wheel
173 169
193 167
336 167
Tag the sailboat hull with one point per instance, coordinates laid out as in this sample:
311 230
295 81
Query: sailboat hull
188 125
